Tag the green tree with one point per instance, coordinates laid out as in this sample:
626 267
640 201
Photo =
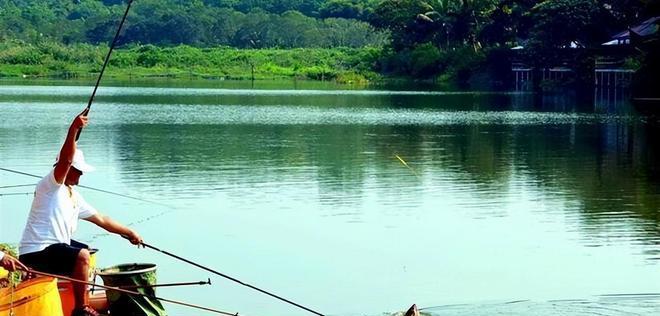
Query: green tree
406 22
306 34
253 30
424 61
347 9
224 25
265 23
562 23
350 33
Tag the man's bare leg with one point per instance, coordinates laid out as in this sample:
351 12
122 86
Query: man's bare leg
81 272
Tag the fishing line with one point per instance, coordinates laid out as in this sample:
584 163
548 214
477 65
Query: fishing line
96 236
17 186
131 224
93 189
112 288
105 63
229 278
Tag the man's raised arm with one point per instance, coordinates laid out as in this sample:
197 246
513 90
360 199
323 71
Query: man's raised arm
69 148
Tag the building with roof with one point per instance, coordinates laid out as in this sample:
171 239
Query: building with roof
646 30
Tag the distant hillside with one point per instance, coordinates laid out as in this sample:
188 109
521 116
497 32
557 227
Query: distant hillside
201 23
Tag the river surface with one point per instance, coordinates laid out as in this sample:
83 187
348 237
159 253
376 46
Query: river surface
359 202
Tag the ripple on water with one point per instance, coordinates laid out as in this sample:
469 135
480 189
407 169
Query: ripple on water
173 114
347 116
605 305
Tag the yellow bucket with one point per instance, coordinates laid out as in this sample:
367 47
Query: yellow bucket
3 273
36 297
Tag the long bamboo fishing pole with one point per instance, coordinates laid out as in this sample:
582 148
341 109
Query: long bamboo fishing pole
112 288
91 188
229 278
208 282
105 63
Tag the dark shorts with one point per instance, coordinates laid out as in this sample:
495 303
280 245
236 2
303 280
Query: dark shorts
55 259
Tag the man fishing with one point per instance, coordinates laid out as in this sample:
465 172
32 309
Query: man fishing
47 244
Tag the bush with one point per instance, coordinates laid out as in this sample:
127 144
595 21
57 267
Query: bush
351 78
318 73
53 59
149 56
462 63
25 55
424 60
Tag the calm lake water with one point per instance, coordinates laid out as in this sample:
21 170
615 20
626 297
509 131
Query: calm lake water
509 204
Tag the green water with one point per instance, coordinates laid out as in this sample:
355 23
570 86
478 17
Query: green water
296 188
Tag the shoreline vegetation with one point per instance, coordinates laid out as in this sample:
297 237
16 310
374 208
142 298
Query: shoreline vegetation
78 61
448 44
357 66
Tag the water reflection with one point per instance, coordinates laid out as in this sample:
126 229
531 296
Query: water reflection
604 161
612 99
507 195
607 167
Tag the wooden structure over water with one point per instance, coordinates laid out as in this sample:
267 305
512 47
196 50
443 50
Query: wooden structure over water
610 68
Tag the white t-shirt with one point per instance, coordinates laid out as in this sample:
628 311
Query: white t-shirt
2 255
54 215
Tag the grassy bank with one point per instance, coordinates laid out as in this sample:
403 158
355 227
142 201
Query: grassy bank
50 60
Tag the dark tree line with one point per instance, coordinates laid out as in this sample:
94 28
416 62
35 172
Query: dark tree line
432 37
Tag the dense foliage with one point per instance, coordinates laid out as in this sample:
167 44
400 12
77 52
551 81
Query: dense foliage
414 38
78 60
424 33
243 24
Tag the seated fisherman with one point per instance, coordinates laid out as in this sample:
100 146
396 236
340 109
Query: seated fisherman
46 244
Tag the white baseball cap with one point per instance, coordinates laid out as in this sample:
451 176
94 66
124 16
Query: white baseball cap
79 161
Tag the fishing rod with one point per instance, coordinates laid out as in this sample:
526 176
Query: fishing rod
91 188
17 193
228 277
208 282
112 288
105 63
